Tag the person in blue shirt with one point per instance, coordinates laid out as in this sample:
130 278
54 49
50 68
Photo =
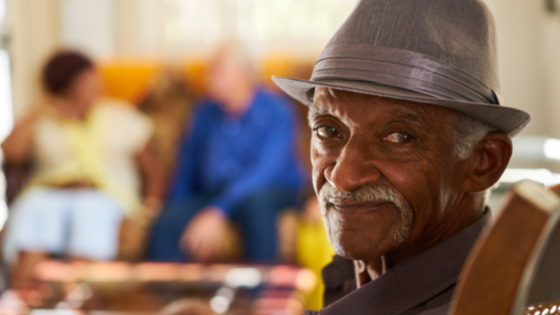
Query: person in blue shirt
237 163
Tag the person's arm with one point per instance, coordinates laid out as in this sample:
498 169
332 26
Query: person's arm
18 145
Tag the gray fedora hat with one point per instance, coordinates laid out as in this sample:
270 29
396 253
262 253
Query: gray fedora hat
440 52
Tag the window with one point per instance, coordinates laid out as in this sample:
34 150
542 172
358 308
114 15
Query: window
290 23
6 114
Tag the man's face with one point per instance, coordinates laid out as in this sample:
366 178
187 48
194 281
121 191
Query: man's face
225 75
384 171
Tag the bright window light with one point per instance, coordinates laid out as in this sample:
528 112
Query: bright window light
3 213
6 111
256 21
552 149
541 175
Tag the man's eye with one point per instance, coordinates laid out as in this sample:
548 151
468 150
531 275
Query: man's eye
326 131
399 137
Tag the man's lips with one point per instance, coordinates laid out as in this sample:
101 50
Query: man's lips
356 207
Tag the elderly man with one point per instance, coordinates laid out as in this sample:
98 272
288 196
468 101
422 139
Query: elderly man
409 133
236 164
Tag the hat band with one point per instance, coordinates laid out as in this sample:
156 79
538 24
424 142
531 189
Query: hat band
401 69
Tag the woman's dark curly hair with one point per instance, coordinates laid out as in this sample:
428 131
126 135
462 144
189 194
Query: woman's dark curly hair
61 69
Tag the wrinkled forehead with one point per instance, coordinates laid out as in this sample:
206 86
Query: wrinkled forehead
343 103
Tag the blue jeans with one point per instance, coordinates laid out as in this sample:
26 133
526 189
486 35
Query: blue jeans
256 215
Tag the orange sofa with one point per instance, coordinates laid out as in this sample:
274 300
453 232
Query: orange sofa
130 78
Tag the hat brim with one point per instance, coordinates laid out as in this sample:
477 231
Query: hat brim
505 119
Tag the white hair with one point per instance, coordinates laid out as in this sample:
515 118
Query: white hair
467 132
239 53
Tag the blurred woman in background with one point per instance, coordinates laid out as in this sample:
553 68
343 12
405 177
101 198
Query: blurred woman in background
86 151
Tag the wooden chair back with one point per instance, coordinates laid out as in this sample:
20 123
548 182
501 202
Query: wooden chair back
510 266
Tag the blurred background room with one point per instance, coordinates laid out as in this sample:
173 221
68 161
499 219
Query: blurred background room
111 104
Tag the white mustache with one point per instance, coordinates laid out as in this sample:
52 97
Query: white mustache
373 193
366 193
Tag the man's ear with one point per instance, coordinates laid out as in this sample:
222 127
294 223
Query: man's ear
488 161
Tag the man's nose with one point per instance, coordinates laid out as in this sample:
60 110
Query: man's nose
354 167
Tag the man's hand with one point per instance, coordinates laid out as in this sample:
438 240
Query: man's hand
204 235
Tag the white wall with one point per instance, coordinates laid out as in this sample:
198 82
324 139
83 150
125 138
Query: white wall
550 56
88 25
174 28
529 50
34 33
6 99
